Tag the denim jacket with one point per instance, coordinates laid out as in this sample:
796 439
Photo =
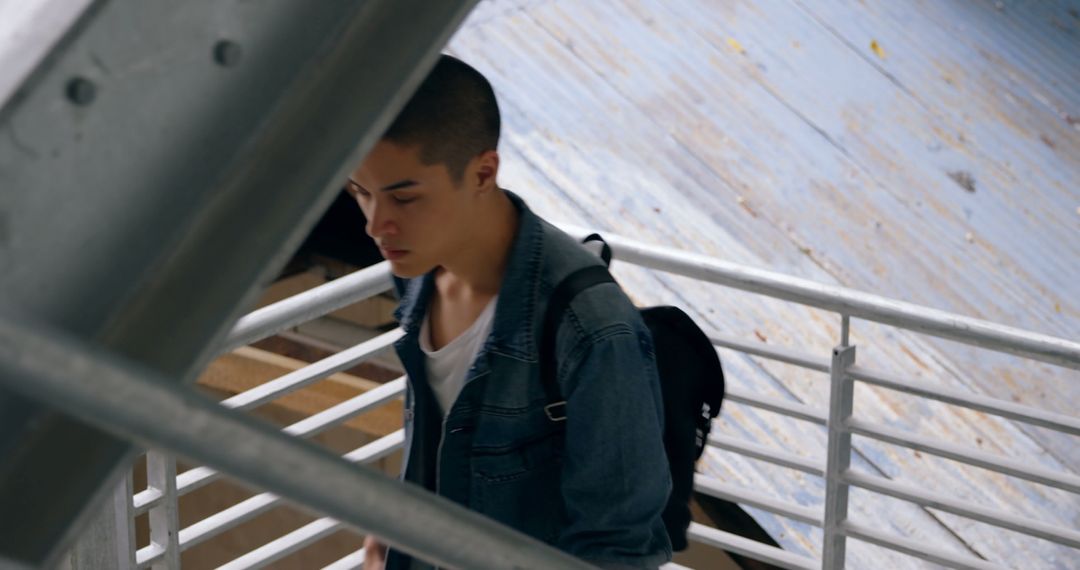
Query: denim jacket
593 485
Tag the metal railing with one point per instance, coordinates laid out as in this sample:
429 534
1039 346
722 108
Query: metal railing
135 403
834 467
160 498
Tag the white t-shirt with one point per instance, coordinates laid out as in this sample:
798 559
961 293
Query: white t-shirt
448 366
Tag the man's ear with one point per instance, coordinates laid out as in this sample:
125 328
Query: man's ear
486 171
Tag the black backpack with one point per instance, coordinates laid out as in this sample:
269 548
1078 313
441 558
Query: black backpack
691 383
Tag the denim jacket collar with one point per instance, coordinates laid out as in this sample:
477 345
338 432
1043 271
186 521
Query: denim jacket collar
513 331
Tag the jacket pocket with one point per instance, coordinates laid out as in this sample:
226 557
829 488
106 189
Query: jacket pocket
520 486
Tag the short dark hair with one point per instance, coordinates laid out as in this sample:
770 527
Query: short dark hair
453 117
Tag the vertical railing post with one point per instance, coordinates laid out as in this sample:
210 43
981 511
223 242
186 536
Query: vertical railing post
109 540
124 523
164 518
838 458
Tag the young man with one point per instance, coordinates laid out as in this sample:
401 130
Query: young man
475 269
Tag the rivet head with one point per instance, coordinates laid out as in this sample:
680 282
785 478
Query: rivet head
227 53
81 91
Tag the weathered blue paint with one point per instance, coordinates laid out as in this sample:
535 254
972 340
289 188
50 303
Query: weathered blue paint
923 150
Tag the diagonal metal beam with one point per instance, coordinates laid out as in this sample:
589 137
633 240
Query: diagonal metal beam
98 387
158 167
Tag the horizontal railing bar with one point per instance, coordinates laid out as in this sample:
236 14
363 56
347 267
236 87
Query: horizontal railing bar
1011 410
350 561
930 499
750 548
716 488
791 409
213 525
766 453
309 305
281 547
377 449
845 301
352 407
1064 481
247 509
149 555
197 477
778 353
145 500
918 549
312 373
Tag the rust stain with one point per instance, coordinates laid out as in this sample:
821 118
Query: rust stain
912 356
877 49
745 206
760 336
1006 376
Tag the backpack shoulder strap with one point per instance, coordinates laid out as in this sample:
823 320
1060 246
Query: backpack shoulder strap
564 292
603 250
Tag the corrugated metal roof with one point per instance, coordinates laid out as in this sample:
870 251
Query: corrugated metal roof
923 150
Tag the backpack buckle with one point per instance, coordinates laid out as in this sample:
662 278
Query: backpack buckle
556 412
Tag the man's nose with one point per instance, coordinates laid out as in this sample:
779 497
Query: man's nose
379 222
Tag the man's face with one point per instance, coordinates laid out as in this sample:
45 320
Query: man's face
415 212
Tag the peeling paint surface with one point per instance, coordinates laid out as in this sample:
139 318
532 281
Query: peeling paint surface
927 151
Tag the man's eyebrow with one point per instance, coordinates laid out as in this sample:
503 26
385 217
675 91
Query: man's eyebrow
400 185
390 188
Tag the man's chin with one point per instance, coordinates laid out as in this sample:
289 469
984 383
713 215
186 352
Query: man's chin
407 270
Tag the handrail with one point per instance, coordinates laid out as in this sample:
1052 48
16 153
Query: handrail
310 304
968 330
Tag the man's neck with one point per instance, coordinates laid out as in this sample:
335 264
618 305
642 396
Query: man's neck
477 273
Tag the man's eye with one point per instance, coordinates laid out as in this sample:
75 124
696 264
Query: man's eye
403 199
356 190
